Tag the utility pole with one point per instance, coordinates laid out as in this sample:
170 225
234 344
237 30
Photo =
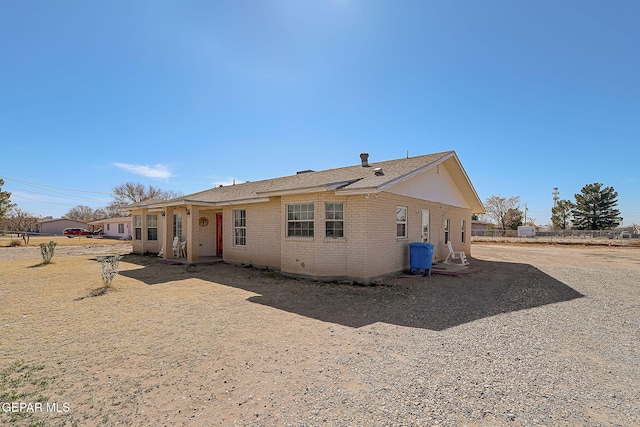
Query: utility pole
556 196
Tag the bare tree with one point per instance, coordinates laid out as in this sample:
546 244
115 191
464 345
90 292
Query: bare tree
132 192
85 213
503 210
20 220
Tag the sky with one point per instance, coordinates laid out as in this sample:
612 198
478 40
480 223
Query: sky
186 95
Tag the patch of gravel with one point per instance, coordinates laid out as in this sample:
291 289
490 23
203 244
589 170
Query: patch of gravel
529 337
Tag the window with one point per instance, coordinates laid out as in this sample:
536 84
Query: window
137 226
334 216
447 229
108 227
152 227
240 227
300 220
464 229
177 226
401 221
121 228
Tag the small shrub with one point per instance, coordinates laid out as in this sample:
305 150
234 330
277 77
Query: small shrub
109 268
46 250
15 243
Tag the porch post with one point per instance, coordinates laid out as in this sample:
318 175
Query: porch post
167 238
193 234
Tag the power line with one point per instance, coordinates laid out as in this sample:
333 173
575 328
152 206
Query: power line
43 187
66 196
42 201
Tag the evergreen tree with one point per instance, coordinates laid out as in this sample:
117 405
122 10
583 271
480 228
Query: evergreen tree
595 208
5 203
561 214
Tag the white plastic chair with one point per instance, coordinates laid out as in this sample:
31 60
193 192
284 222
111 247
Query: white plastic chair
176 246
455 255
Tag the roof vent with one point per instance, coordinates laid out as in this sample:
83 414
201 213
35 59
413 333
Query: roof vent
304 171
364 157
378 172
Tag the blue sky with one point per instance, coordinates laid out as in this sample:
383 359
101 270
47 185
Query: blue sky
184 95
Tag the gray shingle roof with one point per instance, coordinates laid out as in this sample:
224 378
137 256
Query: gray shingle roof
349 179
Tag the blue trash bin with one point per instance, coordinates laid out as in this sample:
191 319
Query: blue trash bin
420 257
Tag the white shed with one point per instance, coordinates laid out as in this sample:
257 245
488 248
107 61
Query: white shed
526 231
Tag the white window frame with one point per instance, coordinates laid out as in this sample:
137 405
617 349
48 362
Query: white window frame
300 220
120 228
447 230
464 230
402 222
334 220
137 227
240 227
152 227
177 226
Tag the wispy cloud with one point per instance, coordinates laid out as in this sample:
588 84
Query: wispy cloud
158 171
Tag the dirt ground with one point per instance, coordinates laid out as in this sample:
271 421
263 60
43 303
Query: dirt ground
34 241
540 335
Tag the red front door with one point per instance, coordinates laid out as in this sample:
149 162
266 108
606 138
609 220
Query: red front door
219 233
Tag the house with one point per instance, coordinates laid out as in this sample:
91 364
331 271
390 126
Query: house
114 228
53 226
352 223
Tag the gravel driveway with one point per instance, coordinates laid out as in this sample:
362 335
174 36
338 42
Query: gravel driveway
530 336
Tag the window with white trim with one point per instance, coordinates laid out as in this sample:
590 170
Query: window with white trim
334 220
240 227
137 227
464 229
447 230
152 227
121 228
300 220
177 226
401 221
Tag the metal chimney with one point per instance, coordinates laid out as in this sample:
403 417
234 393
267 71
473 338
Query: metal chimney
364 157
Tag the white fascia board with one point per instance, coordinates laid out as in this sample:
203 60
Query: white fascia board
356 191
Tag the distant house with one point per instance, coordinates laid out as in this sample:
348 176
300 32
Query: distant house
114 228
55 226
353 222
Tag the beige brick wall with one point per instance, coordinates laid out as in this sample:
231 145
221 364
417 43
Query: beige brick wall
387 253
263 235
369 249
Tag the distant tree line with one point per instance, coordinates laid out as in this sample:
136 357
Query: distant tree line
594 208
12 218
